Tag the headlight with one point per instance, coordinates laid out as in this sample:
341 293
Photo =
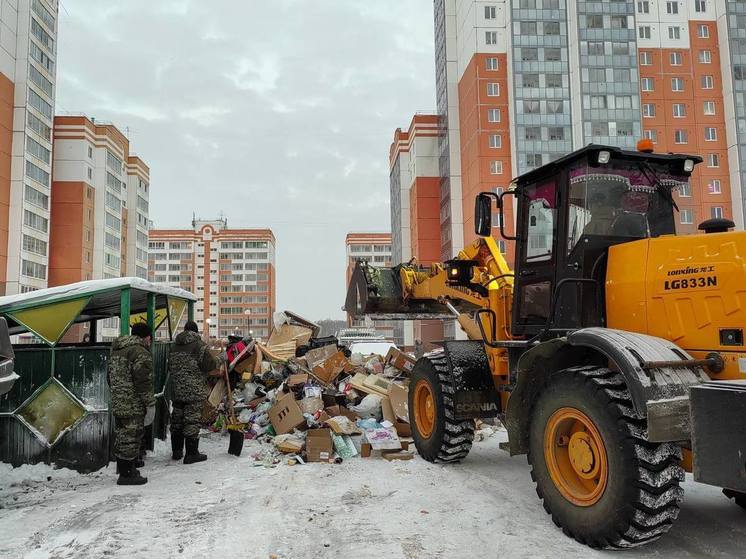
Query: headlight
604 157
688 165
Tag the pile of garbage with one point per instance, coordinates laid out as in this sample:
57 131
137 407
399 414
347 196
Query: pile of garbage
311 399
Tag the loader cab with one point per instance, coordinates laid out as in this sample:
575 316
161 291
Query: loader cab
569 212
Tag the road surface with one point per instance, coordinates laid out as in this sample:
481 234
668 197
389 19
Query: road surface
226 507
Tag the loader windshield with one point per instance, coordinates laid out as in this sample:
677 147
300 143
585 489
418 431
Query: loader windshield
621 199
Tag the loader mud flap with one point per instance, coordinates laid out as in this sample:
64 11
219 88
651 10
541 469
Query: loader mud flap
718 412
474 390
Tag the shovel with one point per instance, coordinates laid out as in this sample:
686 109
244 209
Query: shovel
235 446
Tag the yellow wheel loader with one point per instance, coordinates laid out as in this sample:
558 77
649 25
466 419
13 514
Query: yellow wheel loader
613 353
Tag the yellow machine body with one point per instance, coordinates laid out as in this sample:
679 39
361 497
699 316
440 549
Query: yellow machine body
690 290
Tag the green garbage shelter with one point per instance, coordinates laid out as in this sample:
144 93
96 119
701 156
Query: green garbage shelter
58 409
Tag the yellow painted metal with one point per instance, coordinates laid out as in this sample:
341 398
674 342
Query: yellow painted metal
176 309
684 289
160 316
50 322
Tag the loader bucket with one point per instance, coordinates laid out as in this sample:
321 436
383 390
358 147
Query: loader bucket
376 292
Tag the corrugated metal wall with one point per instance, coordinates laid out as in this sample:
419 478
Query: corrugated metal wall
86 446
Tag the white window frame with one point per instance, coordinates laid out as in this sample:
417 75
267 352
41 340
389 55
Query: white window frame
648 110
680 137
675 58
492 64
644 84
644 32
493 89
711 134
679 110
703 31
716 212
714 187
490 12
490 37
496 167
705 56
677 81
707 82
706 105
686 212
491 115
496 141
713 160
674 32
646 58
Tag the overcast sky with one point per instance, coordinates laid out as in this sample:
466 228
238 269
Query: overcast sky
278 113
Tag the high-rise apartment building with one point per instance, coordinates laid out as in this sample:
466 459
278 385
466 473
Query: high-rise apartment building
28 52
522 83
415 211
232 272
99 204
374 248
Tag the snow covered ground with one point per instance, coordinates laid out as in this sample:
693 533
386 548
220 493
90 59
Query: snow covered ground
225 507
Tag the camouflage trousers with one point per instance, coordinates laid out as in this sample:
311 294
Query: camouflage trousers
186 418
128 435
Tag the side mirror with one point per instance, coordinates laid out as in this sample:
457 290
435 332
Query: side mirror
483 215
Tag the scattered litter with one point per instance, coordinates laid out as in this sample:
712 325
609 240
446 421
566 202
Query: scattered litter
307 399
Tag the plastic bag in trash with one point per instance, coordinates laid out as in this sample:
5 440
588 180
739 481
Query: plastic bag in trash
369 407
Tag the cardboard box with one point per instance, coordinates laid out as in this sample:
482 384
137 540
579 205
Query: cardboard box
331 368
299 335
399 397
290 446
383 439
403 429
387 411
311 404
319 445
298 379
286 415
365 450
315 357
401 455
342 425
400 360
334 411
377 384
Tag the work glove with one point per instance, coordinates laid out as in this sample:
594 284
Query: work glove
149 415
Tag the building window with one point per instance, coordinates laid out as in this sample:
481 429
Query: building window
679 110
713 160
672 7
648 110
623 102
496 167
551 28
33 196
532 133
622 75
529 54
680 137
528 28
711 134
685 190
716 212
594 22
493 115
490 37
599 128
32 244
707 82
709 108
556 133
553 80
596 48
533 159
674 33
493 89
30 219
647 84
552 55
700 6
651 135
703 31
646 58
33 269
686 217
496 141
491 63
555 107
530 107
705 57
619 22
530 80
90 152
37 174
675 59
714 187
643 7
644 32
598 102
677 84
490 12
90 172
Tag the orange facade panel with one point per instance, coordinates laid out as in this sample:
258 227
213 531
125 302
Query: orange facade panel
71 233
684 113
484 121
424 215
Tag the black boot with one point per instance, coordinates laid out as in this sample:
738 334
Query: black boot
192 451
128 475
177 445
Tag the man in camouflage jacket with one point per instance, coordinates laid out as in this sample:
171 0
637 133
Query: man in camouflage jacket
130 375
189 363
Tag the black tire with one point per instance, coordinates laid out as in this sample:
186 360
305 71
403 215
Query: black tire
642 496
450 440
738 497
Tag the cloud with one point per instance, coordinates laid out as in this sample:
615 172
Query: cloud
280 114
